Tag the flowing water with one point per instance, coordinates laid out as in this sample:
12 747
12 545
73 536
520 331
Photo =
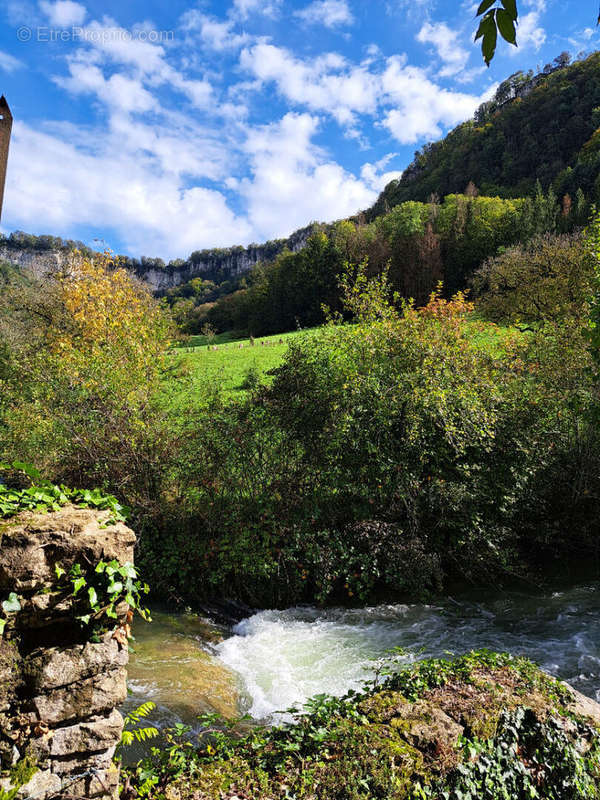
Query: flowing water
276 659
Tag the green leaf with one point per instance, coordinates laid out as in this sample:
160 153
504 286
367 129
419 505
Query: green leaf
85 619
511 8
100 566
78 584
115 587
2 626
506 26
488 30
29 470
93 597
483 7
12 605
59 571
486 25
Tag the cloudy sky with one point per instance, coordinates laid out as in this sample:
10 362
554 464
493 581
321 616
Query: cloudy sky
163 127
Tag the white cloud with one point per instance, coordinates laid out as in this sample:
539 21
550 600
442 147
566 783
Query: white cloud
421 108
118 92
412 9
447 46
115 192
330 13
529 32
215 34
414 106
245 8
327 83
9 63
63 13
147 64
374 176
294 182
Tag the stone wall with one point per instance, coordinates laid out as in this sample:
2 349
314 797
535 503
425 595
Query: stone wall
59 693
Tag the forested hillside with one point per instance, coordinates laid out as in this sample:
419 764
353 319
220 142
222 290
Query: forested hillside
419 244
537 127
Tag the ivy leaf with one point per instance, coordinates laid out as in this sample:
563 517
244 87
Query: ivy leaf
59 571
93 597
85 619
78 584
506 26
12 605
115 587
2 626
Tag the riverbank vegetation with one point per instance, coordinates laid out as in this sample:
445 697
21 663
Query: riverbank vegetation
480 727
391 452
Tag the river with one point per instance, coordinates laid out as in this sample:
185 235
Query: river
276 659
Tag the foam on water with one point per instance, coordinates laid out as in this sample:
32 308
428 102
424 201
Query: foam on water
285 657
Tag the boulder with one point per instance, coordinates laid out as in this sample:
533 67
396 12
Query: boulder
52 668
33 543
79 700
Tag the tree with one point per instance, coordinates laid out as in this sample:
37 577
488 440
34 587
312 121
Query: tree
83 353
546 280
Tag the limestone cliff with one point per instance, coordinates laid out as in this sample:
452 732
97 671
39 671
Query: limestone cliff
219 263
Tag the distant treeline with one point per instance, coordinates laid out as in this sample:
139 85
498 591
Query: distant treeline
422 244
19 240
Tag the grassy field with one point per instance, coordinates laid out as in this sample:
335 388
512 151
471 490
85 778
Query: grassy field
228 362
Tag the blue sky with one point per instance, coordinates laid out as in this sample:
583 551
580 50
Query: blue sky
165 127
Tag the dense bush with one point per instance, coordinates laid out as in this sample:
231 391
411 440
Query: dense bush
82 367
388 457
546 280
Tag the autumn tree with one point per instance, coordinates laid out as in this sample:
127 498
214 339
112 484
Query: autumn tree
84 352
547 280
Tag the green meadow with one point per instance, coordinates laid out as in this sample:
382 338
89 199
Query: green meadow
232 364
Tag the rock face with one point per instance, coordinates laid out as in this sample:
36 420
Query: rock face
39 263
228 262
59 692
